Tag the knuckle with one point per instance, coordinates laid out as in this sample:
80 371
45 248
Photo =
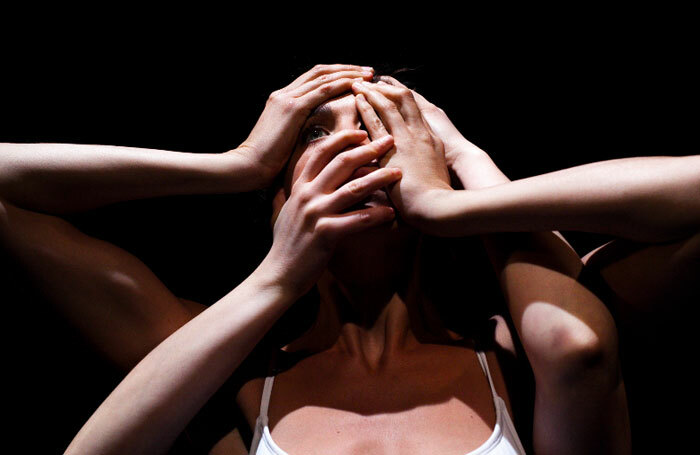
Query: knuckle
390 107
275 96
425 137
324 229
325 89
305 195
404 93
289 104
377 123
307 217
313 208
344 159
355 188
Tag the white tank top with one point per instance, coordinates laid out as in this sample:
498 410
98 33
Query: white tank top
503 441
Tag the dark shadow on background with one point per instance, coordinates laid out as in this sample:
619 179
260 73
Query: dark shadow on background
535 106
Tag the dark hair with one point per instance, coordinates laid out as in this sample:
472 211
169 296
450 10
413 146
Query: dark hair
407 75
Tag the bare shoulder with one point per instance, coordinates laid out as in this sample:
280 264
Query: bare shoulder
248 399
237 405
642 276
250 380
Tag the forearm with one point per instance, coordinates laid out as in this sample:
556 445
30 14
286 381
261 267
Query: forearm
644 199
63 178
152 405
570 340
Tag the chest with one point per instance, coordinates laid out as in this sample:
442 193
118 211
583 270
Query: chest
439 403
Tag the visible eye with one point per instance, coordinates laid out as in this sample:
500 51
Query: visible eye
313 133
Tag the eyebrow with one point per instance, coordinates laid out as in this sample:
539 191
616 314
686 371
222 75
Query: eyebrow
323 110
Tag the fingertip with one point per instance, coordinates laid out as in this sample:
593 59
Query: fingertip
386 139
357 136
351 135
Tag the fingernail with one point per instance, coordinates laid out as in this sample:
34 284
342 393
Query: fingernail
361 97
367 74
368 68
356 85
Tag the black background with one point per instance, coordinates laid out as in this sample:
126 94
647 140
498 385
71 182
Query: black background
537 99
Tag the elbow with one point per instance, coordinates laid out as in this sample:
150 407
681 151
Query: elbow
571 352
585 357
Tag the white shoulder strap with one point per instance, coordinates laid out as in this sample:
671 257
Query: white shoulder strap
267 391
485 366
261 421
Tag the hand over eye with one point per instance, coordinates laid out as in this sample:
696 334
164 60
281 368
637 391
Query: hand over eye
271 142
388 109
316 214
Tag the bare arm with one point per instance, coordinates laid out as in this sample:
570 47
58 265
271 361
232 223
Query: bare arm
570 340
647 199
63 178
162 393
147 411
567 333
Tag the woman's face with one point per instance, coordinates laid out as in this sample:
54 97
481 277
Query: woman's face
329 118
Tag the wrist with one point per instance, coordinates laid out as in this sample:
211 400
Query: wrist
476 170
270 276
240 172
432 210
454 213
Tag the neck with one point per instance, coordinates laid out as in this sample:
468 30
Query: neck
372 323
371 313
